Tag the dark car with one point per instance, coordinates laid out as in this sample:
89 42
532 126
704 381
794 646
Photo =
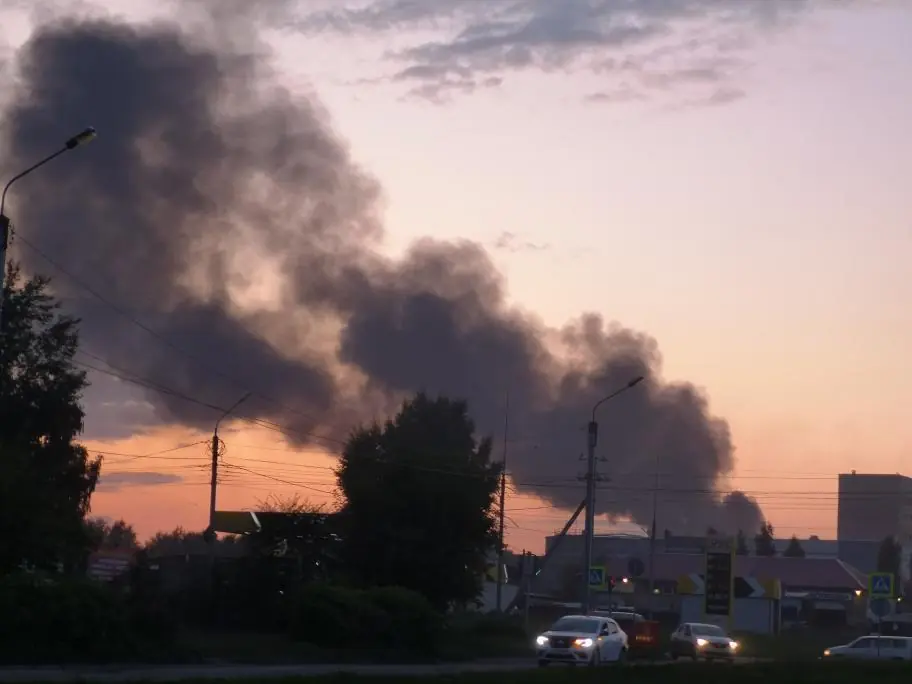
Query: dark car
642 634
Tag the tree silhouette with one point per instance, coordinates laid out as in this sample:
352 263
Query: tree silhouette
299 531
116 536
419 502
181 542
741 544
47 477
764 541
889 557
794 548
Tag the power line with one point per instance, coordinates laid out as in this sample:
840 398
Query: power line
275 479
156 455
158 336
127 376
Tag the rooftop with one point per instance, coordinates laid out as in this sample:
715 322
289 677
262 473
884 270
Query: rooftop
819 573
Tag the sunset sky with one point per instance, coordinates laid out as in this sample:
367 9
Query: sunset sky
735 186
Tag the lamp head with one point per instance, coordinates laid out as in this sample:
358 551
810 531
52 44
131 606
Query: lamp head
87 136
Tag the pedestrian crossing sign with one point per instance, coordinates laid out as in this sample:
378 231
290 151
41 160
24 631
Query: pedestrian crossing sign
880 584
596 576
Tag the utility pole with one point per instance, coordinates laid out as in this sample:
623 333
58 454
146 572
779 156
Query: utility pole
528 574
591 477
503 506
526 588
210 533
213 481
589 529
652 539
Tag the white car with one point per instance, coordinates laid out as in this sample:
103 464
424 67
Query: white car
698 640
873 648
582 640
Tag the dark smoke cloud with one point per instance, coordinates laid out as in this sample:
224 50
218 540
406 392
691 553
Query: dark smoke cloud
210 180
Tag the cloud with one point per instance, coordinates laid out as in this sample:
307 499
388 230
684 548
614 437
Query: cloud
115 482
483 40
510 242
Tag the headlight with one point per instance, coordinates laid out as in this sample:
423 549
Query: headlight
701 642
826 652
583 643
542 641
733 645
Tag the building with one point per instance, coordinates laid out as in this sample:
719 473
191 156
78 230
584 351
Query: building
872 507
629 556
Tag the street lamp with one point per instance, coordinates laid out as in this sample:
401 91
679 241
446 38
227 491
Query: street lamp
590 489
87 136
652 538
213 485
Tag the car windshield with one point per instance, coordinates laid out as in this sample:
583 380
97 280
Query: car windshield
707 630
580 625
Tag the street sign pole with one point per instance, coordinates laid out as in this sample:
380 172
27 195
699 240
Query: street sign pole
881 585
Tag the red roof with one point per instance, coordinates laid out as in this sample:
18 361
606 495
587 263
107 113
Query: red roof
816 573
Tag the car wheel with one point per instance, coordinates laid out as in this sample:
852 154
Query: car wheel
596 659
622 656
543 663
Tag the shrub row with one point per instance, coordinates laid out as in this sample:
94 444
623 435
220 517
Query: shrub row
381 618
57 620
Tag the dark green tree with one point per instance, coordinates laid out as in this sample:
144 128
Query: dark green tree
741 544
300 532
116 536
419 502
764 541
181 542
794 548
47 478
889 557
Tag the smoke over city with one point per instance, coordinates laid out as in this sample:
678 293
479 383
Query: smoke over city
222 212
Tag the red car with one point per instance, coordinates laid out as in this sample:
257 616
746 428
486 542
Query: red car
642 634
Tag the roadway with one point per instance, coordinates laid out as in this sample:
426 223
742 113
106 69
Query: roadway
175 673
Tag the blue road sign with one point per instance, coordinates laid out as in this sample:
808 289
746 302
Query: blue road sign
880 607
880 584
596 576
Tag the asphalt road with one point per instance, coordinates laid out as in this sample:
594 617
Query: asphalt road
187 672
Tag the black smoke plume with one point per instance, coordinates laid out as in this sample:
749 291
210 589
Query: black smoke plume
221 211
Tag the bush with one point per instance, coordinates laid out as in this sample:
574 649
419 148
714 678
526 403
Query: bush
384 618
53 619
489 625
411 622
485 635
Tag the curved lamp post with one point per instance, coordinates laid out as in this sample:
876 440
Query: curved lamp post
590 490
86 136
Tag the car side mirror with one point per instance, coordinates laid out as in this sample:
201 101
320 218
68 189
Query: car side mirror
605 632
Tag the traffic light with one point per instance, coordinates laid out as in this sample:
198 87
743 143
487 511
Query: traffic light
612 582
